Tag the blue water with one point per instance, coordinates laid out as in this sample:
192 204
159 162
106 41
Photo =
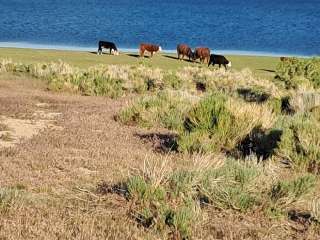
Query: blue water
270 26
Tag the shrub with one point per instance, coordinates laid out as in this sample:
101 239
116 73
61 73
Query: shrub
300 141
171 80
226 81
218 123
231 186
166 109
299 72
285 192
304 101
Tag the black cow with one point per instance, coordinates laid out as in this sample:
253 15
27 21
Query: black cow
220 60
107 45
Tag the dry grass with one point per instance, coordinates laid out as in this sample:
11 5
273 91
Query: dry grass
48 183
3 127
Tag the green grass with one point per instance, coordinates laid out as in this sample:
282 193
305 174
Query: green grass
262 65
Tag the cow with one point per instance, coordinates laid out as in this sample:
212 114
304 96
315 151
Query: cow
149 48
107 45
220 60
203 53
184 50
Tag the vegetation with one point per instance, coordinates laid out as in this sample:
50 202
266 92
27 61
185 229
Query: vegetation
297 73
247 150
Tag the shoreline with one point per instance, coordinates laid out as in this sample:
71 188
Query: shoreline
22 45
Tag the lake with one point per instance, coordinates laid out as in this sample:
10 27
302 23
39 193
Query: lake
266 26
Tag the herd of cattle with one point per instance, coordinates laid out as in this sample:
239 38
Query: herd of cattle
183 50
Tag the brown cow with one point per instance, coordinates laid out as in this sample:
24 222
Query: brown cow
150 48
203 53
184 50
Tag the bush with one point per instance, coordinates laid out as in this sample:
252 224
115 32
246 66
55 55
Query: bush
226 81
218 123
171 200
299 72
304 101
166 109
285 192
231 186
300 141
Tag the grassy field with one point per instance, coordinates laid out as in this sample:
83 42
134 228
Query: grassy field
125 150
262 65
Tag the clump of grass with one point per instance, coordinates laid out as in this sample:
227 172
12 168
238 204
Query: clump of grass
3 127
304 101
283 193
9 197
7 137
218 123
226 81
100 80
300 141
299 73
315 113
7 65
315 209
171 80
169 200
165 109
231 186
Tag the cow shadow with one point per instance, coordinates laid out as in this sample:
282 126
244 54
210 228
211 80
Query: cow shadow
136 55
250 95
176 58
258 142
161 142
266 70
103 53
172 57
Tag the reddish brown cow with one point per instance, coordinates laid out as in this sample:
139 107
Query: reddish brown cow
203 53
184 50
150 48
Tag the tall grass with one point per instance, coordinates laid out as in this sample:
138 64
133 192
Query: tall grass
165 109
174 200
218 123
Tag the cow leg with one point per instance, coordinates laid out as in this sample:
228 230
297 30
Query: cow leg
141 53
151 54
219 65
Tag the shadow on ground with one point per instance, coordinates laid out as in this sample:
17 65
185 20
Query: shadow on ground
162 143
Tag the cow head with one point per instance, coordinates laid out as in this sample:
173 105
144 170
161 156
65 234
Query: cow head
194 56
114 52
229 64
160 49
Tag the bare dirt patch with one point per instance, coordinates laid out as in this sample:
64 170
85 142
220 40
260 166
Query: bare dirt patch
20 129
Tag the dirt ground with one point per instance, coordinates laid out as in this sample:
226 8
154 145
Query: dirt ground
60 147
